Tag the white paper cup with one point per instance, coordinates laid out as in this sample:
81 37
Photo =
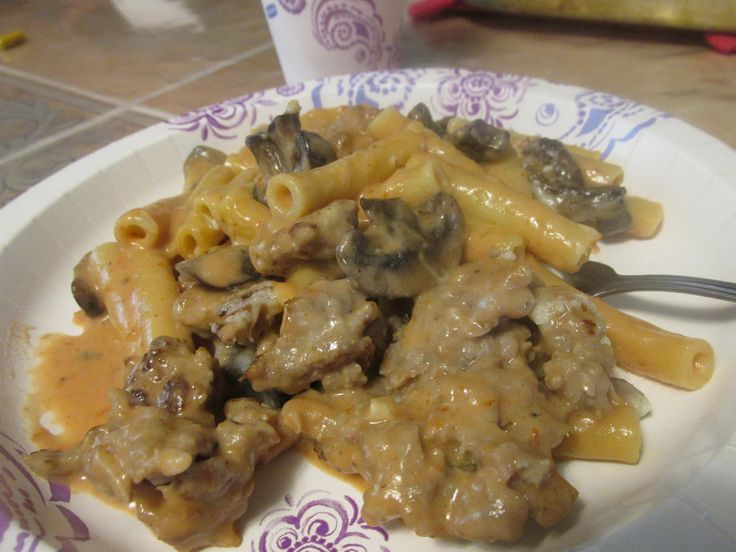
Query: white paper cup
318 38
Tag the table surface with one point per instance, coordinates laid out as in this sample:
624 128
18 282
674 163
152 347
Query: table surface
92 72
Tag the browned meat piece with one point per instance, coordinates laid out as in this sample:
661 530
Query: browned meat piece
200 506
241 315
350 375
456 438
280 243
449 322
190 483
171 377
321 332
138 443
439 455
580 355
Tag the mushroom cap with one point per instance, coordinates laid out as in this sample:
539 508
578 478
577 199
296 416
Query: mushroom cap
403 252
557 181
220 268
85 289
481 141
284 147
198 162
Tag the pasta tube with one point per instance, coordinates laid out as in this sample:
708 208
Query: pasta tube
237 213
151 226
421 178
297 194
555 239
199 230
510 171
646 349
215 178
242 161
596 171
392 123
646 216
138 289
485 239
615 437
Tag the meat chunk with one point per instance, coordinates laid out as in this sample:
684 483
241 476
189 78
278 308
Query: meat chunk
213 494
241 315
439 455
282 243
190 483
456 437
580 357
449 322
321 332
171 377
138 443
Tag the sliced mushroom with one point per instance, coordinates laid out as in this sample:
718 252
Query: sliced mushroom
477 139
480 141
85 289
421 113
312 151
402 252
198 162
221 268
284 147
557 181
266 153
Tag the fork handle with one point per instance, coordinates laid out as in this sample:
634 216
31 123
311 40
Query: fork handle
704 287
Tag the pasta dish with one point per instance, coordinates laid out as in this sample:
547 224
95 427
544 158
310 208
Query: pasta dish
380 287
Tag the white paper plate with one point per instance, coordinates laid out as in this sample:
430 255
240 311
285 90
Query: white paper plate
680 496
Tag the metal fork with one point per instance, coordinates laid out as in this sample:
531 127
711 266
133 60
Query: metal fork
599 280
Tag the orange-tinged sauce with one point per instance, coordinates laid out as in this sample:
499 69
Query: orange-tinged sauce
307 451
71 383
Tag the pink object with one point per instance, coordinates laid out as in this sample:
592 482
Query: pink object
425 9
722 42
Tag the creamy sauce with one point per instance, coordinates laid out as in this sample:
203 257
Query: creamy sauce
308 452
71 383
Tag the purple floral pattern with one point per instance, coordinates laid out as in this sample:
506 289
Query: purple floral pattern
350 25
224 120
290 89
492 97
581 117
293 6
27 517
318 522
379 88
